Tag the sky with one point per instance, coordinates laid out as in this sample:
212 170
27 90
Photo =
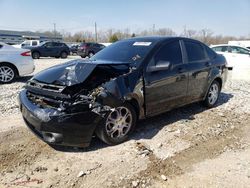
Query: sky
225 17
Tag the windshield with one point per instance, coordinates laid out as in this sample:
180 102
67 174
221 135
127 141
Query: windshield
125 51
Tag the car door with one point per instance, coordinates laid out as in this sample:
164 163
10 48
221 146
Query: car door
240 57
46 49
166 89
199 67
56 49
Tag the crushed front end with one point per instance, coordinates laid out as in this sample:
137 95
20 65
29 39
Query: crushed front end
65 109
50 119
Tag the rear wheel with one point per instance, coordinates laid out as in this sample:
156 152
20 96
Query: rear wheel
118 124
7 73
64 55
35 55
213 94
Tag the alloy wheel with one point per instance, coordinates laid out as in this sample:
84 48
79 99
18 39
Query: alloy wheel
119 122
6 74
213 93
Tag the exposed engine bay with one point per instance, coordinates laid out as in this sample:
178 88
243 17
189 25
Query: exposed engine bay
77 90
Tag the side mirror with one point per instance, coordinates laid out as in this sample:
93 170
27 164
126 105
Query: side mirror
161 65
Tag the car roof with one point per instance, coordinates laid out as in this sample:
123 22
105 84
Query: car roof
158 38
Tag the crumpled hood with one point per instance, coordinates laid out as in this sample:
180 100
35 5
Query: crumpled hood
70 73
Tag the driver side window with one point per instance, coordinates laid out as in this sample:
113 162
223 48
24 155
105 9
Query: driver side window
170 52
48 44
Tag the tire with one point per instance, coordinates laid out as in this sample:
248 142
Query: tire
90 54
212 94
35 55
117 126
64 55
83 56
7 73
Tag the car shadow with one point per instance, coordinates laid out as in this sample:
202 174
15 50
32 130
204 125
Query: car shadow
23 79
148 128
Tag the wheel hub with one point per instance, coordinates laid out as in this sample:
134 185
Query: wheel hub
213 94
6 74
119 122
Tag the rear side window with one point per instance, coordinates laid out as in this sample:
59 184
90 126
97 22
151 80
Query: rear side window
211 54
170 52
34 43
48 44
57 44
195 51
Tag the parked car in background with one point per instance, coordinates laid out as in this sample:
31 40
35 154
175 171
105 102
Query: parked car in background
235 55
73 48
27 44
89 49
14 62
242 43
129 80
50 49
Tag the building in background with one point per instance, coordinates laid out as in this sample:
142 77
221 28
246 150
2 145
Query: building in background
17 37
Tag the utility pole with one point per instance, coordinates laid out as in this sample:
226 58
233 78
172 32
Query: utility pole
153 29
95 33
54 29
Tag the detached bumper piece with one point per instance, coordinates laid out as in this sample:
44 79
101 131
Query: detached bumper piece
57 127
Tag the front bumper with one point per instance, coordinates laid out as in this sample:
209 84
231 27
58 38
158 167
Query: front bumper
55 127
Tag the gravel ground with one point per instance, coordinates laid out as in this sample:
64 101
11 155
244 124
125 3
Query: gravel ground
187 147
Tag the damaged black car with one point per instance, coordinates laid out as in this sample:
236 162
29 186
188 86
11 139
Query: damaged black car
130 80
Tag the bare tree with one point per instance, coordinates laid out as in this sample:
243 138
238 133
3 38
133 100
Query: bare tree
206 35
165 32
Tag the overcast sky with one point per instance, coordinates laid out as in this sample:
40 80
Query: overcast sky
227 17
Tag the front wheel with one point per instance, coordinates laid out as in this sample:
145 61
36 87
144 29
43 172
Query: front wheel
118 124
213 94
7 73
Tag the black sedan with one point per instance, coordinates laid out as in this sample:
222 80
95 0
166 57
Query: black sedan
130 80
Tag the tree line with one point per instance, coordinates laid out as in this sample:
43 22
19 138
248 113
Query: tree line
111 35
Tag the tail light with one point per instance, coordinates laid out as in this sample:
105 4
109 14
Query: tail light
28 53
